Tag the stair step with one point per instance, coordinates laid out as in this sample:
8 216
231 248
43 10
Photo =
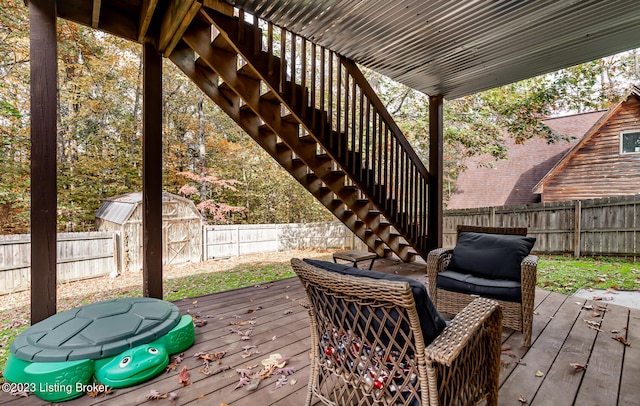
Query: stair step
341 191
249 72
220 42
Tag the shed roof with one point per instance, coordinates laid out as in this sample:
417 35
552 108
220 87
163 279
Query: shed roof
440 47
119 208
510 181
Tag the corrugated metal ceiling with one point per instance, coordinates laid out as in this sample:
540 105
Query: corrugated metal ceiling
458 47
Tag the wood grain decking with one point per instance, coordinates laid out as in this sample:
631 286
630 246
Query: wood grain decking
561 336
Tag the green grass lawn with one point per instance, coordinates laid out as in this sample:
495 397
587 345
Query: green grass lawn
567 275
557 274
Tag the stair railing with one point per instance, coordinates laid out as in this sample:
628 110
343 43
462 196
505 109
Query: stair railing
340 109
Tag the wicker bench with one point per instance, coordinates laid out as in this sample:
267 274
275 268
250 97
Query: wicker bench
376 339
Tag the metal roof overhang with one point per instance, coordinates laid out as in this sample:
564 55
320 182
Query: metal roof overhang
440 47
458 47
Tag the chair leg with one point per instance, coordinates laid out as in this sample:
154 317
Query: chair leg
527 322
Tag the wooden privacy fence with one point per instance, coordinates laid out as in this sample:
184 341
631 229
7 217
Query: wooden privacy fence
608 226
80 256
233 240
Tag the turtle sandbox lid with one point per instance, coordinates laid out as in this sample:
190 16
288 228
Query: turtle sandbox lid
96 330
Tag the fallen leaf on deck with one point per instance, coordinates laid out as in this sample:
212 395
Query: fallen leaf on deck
602 298
154 394
100 392
243 322
578 367
242 382
200 323
282 381
622 340
254 310
244 372
212 356
505 348
287 312
286 371
172 366
183 378
254 384
539 373
593 324
244 334
523 400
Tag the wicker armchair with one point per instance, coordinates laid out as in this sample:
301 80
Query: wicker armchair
517 311
368 344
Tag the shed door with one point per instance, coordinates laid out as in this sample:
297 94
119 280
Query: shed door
177 242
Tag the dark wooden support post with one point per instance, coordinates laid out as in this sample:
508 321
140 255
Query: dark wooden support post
44 71
152 172
436 141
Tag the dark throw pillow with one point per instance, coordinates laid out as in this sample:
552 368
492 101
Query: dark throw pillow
431 322
493 256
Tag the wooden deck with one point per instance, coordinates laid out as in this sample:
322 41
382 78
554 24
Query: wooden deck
561 336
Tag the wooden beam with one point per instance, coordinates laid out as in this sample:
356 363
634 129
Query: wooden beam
184 24
152 172
173 20
95 14
219 6
147 8
44 71
436 141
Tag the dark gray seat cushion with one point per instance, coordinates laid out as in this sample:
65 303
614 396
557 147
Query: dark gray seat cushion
504 289
431 322
491 256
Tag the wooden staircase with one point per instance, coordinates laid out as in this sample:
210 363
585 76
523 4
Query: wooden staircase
314 112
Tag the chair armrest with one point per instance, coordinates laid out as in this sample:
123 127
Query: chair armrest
437 260
478 317
528 272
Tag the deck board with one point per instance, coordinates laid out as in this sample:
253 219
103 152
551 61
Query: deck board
560 336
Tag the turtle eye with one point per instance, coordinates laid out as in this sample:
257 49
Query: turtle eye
153 350
125 361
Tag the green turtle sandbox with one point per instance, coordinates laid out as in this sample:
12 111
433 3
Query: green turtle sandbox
117 343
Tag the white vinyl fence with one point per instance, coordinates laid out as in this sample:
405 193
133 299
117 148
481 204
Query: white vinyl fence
234 240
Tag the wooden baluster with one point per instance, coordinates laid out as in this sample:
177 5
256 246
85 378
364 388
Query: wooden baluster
303 77
240 26
345 153
257 37
361 135
367 146
270 63
354 163
385 179
323 124
293 69
283 60
312 102
338 110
